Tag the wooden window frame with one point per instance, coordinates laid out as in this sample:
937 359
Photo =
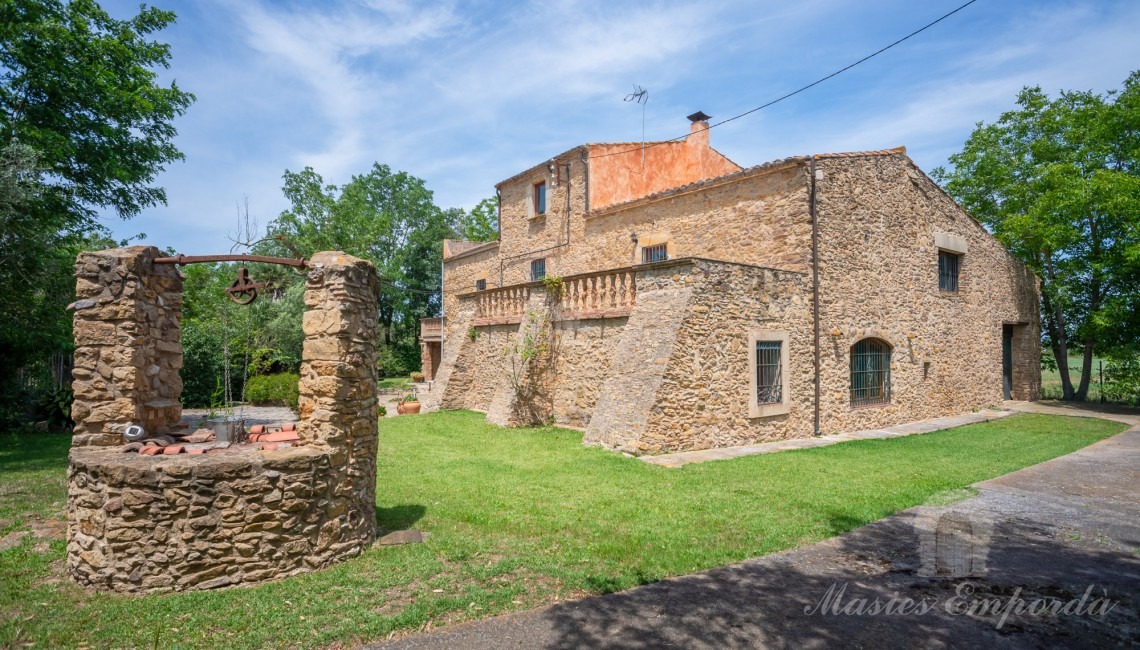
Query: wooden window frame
755 408
534 277
538 196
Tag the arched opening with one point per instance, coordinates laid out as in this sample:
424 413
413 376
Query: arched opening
870 372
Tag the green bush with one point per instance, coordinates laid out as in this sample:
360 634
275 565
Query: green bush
391 363
1122 381
273 390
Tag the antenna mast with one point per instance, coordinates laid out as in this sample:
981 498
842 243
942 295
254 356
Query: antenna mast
641 96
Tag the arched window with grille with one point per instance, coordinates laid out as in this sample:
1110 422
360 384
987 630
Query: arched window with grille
870 372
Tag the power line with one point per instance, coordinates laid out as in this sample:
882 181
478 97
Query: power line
800 90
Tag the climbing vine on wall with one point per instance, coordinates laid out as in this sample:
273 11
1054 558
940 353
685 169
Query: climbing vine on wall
533 357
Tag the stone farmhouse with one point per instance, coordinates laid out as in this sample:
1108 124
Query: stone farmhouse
663 298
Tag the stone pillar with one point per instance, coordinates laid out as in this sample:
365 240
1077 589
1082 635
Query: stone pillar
338 405
127 347
426 360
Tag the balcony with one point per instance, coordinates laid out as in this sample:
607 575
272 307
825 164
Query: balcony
431 329
601 294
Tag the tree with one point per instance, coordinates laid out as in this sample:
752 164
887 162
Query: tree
482 223
1058 182
79 87
384 216
84 125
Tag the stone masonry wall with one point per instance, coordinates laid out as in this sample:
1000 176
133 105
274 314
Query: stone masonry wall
338 406
242 515
703 399
758 217
160 524
878 219
586 350
679 379
127 348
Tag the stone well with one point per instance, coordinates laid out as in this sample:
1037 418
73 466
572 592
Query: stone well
241 515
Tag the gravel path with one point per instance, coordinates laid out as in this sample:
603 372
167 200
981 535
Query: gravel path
251 414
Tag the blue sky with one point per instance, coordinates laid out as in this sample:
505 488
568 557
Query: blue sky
465 94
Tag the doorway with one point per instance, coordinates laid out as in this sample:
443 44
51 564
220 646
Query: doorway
1007 361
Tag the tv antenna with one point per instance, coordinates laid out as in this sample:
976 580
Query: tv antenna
640 96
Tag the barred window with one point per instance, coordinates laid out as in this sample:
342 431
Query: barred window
655 253
768 373
948 272
481 285
537 269
769 383
870 372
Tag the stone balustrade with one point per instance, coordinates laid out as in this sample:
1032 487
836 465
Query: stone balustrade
605 294
502 305
600 294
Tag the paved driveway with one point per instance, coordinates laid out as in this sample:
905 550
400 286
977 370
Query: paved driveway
1064 534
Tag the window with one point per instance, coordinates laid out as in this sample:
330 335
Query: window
768 373
481 285
769 386
540 198
537 270
870 373
948 272
654 253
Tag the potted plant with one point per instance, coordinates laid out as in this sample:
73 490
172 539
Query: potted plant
408 404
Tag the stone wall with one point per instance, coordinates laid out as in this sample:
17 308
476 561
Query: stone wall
338 406
879 217
127 348
758 216
679 378
159 524
703 400
479 374
586 350
240 514
676 374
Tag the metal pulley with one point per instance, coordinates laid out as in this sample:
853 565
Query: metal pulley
244 290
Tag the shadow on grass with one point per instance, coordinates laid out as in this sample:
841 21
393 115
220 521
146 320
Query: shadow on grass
398 517
25 452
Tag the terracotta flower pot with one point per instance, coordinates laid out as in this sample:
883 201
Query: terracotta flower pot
411 407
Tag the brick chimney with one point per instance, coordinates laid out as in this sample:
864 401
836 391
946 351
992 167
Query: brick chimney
698 130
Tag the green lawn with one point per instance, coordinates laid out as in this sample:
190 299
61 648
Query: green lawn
1051 379
399 383
518 518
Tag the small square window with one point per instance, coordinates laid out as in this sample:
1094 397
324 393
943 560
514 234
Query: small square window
537 270
540 198
655 253
480 285
948 272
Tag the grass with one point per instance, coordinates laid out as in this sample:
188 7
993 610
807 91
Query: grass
518 518
395 383
1051 379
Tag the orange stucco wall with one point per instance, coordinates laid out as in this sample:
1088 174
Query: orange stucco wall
617 174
